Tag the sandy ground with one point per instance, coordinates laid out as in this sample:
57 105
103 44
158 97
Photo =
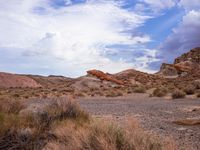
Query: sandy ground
154 114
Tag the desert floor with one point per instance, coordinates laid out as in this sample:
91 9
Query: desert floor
156 115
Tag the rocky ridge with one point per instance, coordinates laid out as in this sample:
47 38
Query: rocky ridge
183 72
187 63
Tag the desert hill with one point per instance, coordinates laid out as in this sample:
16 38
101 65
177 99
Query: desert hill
8 80
179 75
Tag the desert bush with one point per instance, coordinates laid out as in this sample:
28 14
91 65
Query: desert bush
16 95
80 94
178 94
139 89
62 109
189 89
198 94
92 89
7 121
15 134
99 93
108 136
160 92
67 90
54 90
114 94
129 90
196 83
110 94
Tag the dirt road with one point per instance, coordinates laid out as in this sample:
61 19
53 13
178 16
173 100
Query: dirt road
154 114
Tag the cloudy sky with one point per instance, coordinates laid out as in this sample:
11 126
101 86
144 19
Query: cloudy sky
69 37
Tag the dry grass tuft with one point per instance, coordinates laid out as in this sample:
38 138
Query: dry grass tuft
178 94
101 135
62 109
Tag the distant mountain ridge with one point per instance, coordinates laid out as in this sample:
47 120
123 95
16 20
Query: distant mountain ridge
186 65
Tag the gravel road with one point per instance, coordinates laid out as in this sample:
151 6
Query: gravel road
154 114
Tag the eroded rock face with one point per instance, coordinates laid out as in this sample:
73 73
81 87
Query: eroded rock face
105 76
168 69
134 77
192 56
185 64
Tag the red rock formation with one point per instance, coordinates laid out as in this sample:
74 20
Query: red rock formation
182 68
105 76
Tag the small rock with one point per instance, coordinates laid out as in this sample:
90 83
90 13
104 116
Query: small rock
189 130
181 129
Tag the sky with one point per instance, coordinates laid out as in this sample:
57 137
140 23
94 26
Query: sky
69 37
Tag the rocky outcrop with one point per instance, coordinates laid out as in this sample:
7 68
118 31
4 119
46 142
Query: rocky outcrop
134 77
8 80
168 70
185 64
192 56
104 76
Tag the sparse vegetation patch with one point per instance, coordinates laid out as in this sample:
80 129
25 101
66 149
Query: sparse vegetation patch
160 92
178 94
189 89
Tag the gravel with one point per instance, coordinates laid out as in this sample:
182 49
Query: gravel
154 114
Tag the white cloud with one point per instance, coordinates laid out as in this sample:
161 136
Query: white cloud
148 57
158 5
184 37
68 2
74 36
190 4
